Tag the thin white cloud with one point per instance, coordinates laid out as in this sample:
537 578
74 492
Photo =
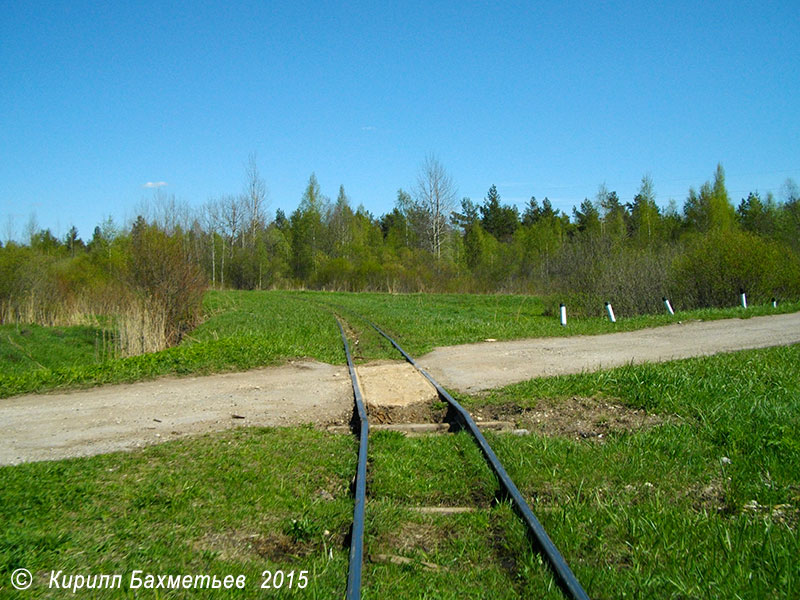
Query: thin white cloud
155 184
368 128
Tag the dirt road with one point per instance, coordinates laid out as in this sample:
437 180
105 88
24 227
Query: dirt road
123 417
120 417
477 367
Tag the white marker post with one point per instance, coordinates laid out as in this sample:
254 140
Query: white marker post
774 303
610 312
668 305
563 310
743 297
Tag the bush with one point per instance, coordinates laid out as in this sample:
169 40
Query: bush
165 279
715 266
588 273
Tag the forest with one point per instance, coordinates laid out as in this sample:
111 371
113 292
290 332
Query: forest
150 275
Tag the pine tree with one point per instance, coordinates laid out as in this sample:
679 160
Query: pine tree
496 219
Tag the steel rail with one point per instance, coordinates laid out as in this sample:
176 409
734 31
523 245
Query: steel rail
357 533
565 578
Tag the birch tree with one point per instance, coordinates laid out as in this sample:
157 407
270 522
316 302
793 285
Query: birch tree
254 201
435 193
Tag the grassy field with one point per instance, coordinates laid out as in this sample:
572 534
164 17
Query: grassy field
243 330
704 505
420 322
32 347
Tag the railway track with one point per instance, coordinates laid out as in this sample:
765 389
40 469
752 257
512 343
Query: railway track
541 541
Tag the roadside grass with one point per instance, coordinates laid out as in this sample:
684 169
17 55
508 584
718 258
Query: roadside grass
234 503
29 347
421 322
243 330
704 505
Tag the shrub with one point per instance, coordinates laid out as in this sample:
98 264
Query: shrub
715 266
168 284
588 273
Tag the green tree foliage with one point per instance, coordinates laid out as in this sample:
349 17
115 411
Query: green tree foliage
45 242
756 215
645 217
604 250
404 227
72 242
307 231
467 217
496 219
788 219
533 213
341 225
475 245
711 209
614 217
587 219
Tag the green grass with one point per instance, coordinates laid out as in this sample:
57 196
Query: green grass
482 554
420 322
705 505
233 503
243 330
24 348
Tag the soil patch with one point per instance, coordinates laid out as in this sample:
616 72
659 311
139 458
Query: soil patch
236 546
711 498
419 412
576 417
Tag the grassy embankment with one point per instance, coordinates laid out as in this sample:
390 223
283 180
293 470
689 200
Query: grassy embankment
704 505
248 329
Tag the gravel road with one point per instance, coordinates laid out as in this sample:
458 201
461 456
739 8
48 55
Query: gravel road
123 417
477 367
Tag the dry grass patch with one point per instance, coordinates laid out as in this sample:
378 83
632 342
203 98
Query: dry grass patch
275 546
414 537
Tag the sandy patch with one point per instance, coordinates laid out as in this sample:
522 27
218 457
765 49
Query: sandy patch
394 385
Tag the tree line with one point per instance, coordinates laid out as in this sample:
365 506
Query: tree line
629 252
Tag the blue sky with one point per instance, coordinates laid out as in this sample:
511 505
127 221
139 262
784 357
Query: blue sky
540 98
